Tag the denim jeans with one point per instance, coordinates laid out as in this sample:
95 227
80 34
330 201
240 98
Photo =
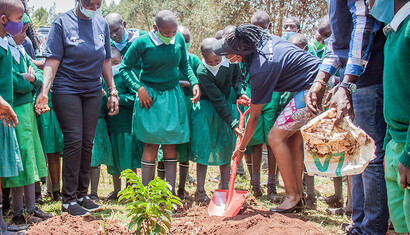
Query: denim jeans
78 116
370 213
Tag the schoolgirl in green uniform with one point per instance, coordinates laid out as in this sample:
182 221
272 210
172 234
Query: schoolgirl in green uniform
183 150
10 16
213 123
160 116
26 77
127 149
102 150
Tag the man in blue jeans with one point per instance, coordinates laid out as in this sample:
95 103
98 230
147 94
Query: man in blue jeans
356 47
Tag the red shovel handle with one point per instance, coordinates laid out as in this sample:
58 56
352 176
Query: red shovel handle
242 116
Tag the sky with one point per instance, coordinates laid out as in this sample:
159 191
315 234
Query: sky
61 5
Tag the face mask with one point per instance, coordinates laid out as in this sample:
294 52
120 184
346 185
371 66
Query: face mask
383 10
125 38
116 69
187 45
327 41
13 28
216 66
318 45
165 40
287 35
88 13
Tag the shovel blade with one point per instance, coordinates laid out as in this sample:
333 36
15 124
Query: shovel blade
218 206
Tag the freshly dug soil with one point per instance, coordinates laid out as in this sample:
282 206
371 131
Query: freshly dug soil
67 225
251 221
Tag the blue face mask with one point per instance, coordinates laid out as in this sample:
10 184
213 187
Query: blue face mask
383 10
13 28
88 13
287 35
327 41
115 69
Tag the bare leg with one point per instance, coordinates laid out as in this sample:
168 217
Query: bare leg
296 148
278 140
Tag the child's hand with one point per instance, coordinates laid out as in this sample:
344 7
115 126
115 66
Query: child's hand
238 155
404 173
30 70
113 103
238 131
41 104
245 99
197 93
7 115
145 99
29 77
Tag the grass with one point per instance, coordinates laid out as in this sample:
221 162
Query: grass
114 211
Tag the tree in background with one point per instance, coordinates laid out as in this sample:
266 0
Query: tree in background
40 18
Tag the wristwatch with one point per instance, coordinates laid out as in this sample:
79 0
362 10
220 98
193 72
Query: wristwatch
351 87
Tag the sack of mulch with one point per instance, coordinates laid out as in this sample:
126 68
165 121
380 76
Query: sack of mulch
335 150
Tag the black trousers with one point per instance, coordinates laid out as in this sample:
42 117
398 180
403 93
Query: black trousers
78 116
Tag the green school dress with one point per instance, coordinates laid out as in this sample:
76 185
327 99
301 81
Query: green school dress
166 121
183 150
10 158
102 150
213 139
127 149
31 150
51 136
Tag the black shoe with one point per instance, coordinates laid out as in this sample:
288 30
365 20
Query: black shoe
89 205
18 219
15 228
94 198
272 194
39 198
112 196
40 214
201 197
181 193
57 196
75 209
296 208
257 191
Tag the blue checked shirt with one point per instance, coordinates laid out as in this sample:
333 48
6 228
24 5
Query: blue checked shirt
356 37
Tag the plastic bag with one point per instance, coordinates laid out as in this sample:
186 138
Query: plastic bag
332 150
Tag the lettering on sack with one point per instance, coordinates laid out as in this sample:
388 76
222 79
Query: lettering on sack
325 166
76 40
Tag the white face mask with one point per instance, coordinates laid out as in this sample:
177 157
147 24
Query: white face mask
115 69
216 66
88 13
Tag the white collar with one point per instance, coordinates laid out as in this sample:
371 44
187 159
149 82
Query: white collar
214 71
136 34
399 17
15 53
155 39
4 43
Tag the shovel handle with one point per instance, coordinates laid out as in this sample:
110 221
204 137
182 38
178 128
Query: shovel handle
242 116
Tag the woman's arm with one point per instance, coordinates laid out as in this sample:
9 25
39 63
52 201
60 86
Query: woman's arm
49 73
113 101
255 111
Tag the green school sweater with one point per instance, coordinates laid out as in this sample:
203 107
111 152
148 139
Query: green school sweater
23 89
194 63
217 89
123 120
396 88
6 76
138 67
159 64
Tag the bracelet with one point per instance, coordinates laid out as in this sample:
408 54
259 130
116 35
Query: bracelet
242 151
321 82
111 88
113 92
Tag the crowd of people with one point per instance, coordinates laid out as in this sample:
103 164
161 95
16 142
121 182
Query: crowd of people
126 98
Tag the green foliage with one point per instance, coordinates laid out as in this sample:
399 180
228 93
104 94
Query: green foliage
40 18
149 206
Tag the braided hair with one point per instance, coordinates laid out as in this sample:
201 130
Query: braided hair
246 38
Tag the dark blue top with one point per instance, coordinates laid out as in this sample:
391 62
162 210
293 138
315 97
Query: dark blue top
357 43
280 66
81 46
28 46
